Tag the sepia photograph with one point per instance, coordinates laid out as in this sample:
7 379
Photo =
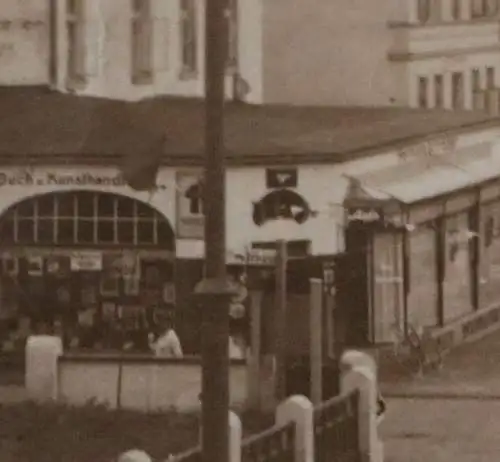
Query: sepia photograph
249 230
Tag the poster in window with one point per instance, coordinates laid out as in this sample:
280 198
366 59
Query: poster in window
35 265
53 265
63 295
10 264
110 285
89 295
108 311
169 293
131 285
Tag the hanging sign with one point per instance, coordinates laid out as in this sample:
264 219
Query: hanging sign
86 261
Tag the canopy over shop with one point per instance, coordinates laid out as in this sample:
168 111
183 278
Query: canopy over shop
421 239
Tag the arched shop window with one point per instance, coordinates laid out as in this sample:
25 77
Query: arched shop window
85 218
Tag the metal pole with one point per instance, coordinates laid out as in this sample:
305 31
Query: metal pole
281 318
213 290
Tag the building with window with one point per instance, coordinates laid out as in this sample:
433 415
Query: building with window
414 53
403 205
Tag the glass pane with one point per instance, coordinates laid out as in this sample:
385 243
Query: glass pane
7 231
66 205
65 230
144 211
165 235
85 231
86 204
106 205
145 232
26 209
45 229
125 207
25 229
46 206
125 232
105 231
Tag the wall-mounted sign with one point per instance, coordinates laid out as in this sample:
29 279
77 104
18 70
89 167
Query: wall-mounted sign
190 217
86 261
283 204
429 150
361 215
33 178
281 178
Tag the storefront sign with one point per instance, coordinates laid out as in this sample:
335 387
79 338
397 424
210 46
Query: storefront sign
86 261
190 217
30 178
281 178
261 257
364 215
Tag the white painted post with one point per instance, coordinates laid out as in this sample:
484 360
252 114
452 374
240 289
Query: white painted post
316 339
41 375
235 437
134 455
356 358
235 432
299 409
363 379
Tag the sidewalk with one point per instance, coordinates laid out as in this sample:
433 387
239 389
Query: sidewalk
472 371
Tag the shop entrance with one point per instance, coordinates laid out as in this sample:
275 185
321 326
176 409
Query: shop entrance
98 267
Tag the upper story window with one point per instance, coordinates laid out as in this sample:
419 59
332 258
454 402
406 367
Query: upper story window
484 8
76 46
490 78
456 9
142 42
478 8
457 90
423 84
438 91
424 10
232 30
189 39
476 80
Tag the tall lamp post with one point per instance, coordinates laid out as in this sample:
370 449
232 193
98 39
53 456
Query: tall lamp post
213 290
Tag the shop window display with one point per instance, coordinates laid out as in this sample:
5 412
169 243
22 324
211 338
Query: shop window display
111 296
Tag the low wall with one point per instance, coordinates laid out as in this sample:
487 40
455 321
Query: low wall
139 382
467 329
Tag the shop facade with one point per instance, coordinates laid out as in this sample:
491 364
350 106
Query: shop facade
423 231
83 252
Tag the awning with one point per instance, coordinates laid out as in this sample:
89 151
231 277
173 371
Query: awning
412 182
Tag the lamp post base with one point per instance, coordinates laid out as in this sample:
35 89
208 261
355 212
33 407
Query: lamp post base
214 296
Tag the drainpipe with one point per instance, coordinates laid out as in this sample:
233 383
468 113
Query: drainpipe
52 33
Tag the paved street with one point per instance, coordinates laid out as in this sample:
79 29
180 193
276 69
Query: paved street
421 430
450 415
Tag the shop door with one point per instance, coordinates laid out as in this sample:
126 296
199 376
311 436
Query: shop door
353 285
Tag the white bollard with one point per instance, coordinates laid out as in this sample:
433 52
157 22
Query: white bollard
299 409
362 378
41 375
134 455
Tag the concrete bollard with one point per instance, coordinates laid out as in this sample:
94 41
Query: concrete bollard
362 378
299 409
134 455
41 375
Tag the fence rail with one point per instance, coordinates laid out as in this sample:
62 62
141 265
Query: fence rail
336 429
276 444
191 455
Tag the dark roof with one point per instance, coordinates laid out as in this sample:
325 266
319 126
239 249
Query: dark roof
40 126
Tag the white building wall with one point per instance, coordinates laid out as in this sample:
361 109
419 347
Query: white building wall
109 42
24 42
